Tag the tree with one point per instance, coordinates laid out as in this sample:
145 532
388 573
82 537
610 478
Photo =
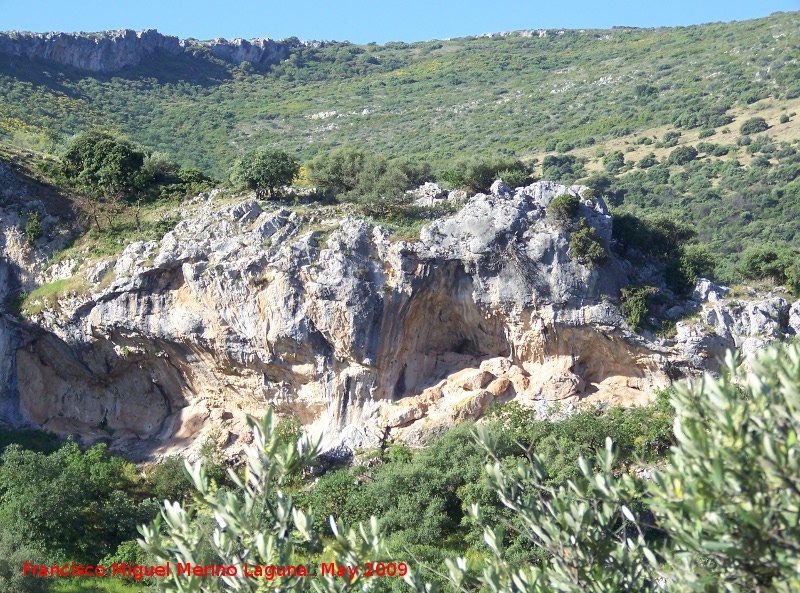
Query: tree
257 524
585 245
723 513
682 155
727 503
754 125
338 170
109 170
730 496
69 503
647 161
264 170
614 161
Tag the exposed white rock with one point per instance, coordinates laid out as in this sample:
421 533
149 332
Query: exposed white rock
241 307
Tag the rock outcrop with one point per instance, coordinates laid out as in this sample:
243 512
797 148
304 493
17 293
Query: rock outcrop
360 337
111 51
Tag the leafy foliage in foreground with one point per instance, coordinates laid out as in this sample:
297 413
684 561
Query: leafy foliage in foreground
727 502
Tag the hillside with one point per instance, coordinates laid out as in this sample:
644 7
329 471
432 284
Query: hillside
517 93
578 96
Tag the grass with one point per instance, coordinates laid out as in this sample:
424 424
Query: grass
48 295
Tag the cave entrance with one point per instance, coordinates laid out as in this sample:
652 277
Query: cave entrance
444 331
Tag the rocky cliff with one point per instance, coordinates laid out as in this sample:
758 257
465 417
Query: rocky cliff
360 337
110 51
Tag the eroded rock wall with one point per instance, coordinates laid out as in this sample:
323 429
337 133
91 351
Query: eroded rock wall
111 51
360 337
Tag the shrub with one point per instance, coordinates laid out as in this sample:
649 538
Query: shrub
635 305
514 178
764 261
256 523
670 139
563 209
726 502
647 161
70 503
477 175
754 125
111 171
714 149
706 133
784 118
33 227
734 472
682 155
564 168
614 161
586 247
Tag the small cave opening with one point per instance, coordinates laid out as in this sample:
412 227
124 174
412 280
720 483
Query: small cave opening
444 330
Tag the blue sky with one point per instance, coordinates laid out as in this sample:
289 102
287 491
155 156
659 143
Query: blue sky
362 21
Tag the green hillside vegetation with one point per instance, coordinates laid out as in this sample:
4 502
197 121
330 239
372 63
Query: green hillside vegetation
695 123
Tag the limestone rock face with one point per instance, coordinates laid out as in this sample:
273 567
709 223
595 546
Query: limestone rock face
721 323
101 52
110 51
244 306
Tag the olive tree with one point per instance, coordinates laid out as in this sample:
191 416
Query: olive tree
730 496
257 523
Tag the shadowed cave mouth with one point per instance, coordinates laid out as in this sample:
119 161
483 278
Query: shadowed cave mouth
444 331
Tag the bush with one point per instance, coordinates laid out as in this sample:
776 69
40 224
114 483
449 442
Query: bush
264 171
167 480
614 161
706 133
586 247
733 474
257 522
111 171
33 227
784 118
514 178
754 125
768 262
563 209
682 155
70 503
635 305
670 139
714 149
647 161
477 175
726 502
104 166
564 168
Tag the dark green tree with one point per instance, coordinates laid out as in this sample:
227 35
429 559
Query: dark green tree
106 169
264 170
563 209
614 161
338 170
69 504
682 155
754 125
